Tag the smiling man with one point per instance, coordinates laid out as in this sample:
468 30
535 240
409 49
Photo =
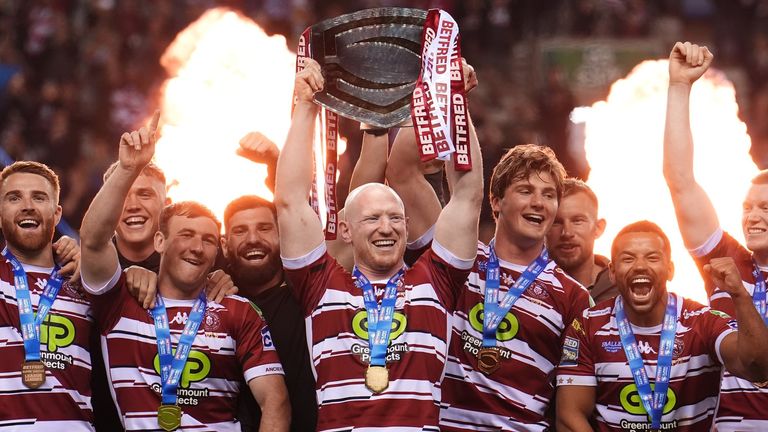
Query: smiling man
571 240
743 404
649 359
185 371
251 246
378 337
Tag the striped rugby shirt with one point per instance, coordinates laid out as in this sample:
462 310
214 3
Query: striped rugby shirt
593 356
517 395
743 405
335 319
63 402
232 344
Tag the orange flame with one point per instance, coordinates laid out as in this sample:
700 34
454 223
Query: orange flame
227 78
624 139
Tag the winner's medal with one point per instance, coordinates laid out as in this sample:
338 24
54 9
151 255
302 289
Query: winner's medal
169 417
488 360
377 378
379 327
172 364
32 370
33 374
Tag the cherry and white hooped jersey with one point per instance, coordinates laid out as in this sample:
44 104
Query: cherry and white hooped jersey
743 404
232 345
517 395
63 402
337 334
593 355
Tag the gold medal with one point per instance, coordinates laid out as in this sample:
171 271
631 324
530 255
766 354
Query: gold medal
169 417
33 374
488 360
377 378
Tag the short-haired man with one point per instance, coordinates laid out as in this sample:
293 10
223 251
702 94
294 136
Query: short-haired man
218 344
378 338
743 404
649 359
571 240
45 322
251 246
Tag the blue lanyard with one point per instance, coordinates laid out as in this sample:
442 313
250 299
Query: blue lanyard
493 311
172 365
653 400
30 323
379 316
758 294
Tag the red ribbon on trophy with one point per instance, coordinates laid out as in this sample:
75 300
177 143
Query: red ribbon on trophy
438 104
328 137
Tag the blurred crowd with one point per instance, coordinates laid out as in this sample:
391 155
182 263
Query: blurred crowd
75 74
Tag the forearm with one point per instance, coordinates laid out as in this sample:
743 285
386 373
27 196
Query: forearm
275 417
573 423
468 185
678 140
752 336
294 166
103 215
372 164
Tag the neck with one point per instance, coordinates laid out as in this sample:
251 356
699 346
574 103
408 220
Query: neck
373 274
135 252
650 318
249 289
168 289
761 258
517 252
586 272
40 258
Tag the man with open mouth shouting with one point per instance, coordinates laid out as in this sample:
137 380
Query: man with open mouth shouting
649 359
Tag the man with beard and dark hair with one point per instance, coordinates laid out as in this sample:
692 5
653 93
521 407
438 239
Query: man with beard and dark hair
571 240
252 249
44 358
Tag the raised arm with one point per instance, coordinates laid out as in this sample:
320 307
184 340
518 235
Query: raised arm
456 228
271 395
99 255
300 229
574 408
745 352
696 215
372 163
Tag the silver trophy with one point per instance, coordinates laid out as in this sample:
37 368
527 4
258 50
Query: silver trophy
371 60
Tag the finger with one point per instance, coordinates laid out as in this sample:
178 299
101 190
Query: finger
136 140
222 291
688 53
130 283
154 122
142 297
125 139
233 290
68 269
144 136
700 56
76 274
678 49
708 56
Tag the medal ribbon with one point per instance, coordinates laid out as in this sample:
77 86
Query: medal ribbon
328 135
30 323
493 311
379 316
653 400
758 294
438 103
172 365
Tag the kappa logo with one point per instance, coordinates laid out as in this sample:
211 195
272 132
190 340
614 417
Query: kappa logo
179 318
197 367
508 327
645 347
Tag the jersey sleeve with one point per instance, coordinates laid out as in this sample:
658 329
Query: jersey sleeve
255 348
577 365
308 276
717 325
721 244
447 272
107 307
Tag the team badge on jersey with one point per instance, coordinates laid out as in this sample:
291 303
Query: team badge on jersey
211 321
266 339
